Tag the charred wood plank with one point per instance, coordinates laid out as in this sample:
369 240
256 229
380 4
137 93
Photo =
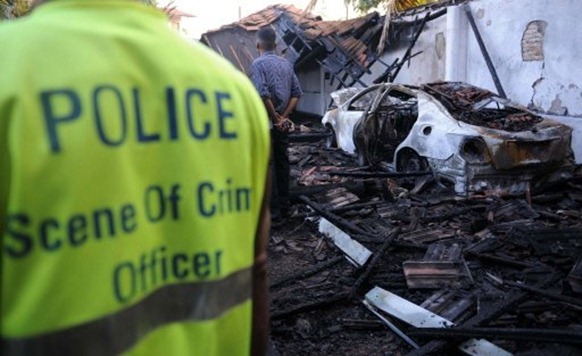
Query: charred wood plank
337 220
566 336
343 209
487 257
358 324
374 261
296 192
548 234
378 174
563 298
309 306
400 244
308 271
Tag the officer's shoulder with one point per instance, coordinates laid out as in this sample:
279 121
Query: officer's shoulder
14 30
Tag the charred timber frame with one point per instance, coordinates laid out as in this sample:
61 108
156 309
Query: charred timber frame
480 319
566 336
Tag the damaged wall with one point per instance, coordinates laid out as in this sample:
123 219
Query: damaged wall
535 48
428 66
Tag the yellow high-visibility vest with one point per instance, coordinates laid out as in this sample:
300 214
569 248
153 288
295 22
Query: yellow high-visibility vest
132 170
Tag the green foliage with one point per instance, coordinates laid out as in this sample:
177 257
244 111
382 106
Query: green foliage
13 8
364 5
399 5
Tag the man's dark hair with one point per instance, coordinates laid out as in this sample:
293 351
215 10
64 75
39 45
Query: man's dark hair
267 38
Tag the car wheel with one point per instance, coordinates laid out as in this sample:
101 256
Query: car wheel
411 162
331 140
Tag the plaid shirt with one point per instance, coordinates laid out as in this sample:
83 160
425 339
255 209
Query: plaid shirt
274 78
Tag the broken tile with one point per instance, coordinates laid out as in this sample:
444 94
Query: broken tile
339 197
442 267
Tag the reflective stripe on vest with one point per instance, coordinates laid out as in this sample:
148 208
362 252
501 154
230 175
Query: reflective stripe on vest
174 303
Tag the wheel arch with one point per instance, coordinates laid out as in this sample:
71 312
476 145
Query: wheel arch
404 153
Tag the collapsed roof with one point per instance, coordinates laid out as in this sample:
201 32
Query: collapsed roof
344 48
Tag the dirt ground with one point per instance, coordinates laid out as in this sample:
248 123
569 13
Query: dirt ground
316 293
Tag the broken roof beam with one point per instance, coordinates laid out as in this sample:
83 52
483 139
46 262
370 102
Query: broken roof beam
378 255
397 64
558 297
311 305
333 218
308 272
500 260
348 55
312 55
429 6
486 56
287 27
378 174
409 50
416 21
565 336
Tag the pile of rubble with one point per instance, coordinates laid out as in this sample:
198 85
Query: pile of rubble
380 263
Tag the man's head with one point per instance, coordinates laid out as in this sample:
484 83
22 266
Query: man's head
266 39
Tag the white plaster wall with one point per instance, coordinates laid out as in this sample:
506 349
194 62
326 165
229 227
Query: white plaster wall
552 85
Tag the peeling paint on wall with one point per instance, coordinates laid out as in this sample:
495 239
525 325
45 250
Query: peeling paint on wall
480 14
554 98
557 108
532 42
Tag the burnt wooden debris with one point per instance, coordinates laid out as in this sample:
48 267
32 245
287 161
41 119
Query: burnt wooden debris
504 268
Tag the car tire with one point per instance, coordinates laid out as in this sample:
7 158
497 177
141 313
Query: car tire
410 162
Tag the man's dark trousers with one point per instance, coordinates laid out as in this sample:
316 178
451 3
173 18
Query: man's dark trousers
280 169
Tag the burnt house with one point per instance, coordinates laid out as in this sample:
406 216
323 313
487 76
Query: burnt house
327 55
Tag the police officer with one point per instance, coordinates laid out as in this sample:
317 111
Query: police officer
133 175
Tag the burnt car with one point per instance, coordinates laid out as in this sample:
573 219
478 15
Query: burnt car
466 136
